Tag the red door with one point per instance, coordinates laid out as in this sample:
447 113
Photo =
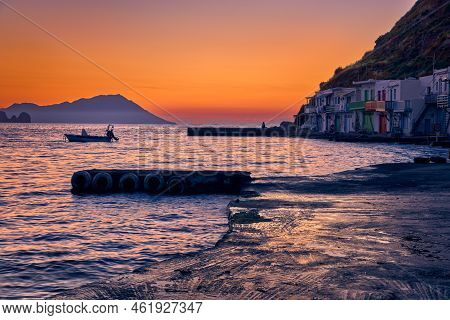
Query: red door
383 123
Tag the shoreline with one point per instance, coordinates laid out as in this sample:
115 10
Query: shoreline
293 132
379 232
441 141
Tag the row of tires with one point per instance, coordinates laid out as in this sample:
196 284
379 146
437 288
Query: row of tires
103 182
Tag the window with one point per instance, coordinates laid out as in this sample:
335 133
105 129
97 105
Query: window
379 95
395 94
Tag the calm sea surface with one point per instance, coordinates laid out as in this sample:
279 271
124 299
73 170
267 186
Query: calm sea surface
51 240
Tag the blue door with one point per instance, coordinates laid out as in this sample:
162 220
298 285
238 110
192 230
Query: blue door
427 128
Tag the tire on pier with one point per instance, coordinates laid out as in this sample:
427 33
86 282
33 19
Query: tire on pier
422 160
176 186
102 182
232 184
154 183
129 182
81 181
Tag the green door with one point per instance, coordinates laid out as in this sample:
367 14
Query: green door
337 123
368 124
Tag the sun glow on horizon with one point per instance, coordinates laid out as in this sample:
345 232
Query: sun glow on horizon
202 61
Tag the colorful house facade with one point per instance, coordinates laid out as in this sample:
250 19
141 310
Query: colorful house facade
384 107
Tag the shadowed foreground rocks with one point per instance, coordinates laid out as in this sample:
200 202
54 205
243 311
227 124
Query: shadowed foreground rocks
374 233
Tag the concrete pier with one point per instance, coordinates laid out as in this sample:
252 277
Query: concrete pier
239 132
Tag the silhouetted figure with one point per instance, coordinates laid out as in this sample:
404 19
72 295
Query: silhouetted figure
263 126
110 132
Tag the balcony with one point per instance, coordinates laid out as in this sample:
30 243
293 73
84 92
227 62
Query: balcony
397 106
391 106
330 109
356 106
443 101
373 106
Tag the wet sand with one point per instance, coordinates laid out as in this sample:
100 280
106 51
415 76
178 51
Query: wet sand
381 232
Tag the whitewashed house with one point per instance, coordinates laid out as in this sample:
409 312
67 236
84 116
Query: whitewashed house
405 100
340 99
434 119
331 107
323 99
308 118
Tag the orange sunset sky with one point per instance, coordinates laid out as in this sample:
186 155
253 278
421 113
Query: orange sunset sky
202 61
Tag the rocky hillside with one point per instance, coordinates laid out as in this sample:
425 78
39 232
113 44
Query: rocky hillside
408 50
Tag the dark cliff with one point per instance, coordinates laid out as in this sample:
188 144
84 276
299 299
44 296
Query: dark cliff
419 38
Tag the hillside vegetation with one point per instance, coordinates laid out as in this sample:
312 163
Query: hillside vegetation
418 39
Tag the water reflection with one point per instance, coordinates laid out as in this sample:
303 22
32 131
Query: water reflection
51 239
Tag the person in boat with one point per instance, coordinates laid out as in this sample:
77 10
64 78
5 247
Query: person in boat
110 132
263 126
84 132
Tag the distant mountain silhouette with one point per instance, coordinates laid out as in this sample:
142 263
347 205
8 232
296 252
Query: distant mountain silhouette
22 118
99 109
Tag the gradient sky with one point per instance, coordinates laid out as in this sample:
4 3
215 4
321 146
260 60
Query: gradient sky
200 61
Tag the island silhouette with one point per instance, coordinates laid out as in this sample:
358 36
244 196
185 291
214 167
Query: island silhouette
98 109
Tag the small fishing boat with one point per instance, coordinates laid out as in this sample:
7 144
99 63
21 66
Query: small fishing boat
79 138
85 137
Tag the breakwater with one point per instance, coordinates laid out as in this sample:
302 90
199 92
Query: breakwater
240 132
175 182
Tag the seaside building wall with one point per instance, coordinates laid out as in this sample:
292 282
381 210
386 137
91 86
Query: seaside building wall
405 101
434 119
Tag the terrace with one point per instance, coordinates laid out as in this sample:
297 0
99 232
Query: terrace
379 106
359 105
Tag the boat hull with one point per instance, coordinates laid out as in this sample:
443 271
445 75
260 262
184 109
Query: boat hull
78 138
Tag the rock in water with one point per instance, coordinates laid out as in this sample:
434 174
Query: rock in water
3 117
24 118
